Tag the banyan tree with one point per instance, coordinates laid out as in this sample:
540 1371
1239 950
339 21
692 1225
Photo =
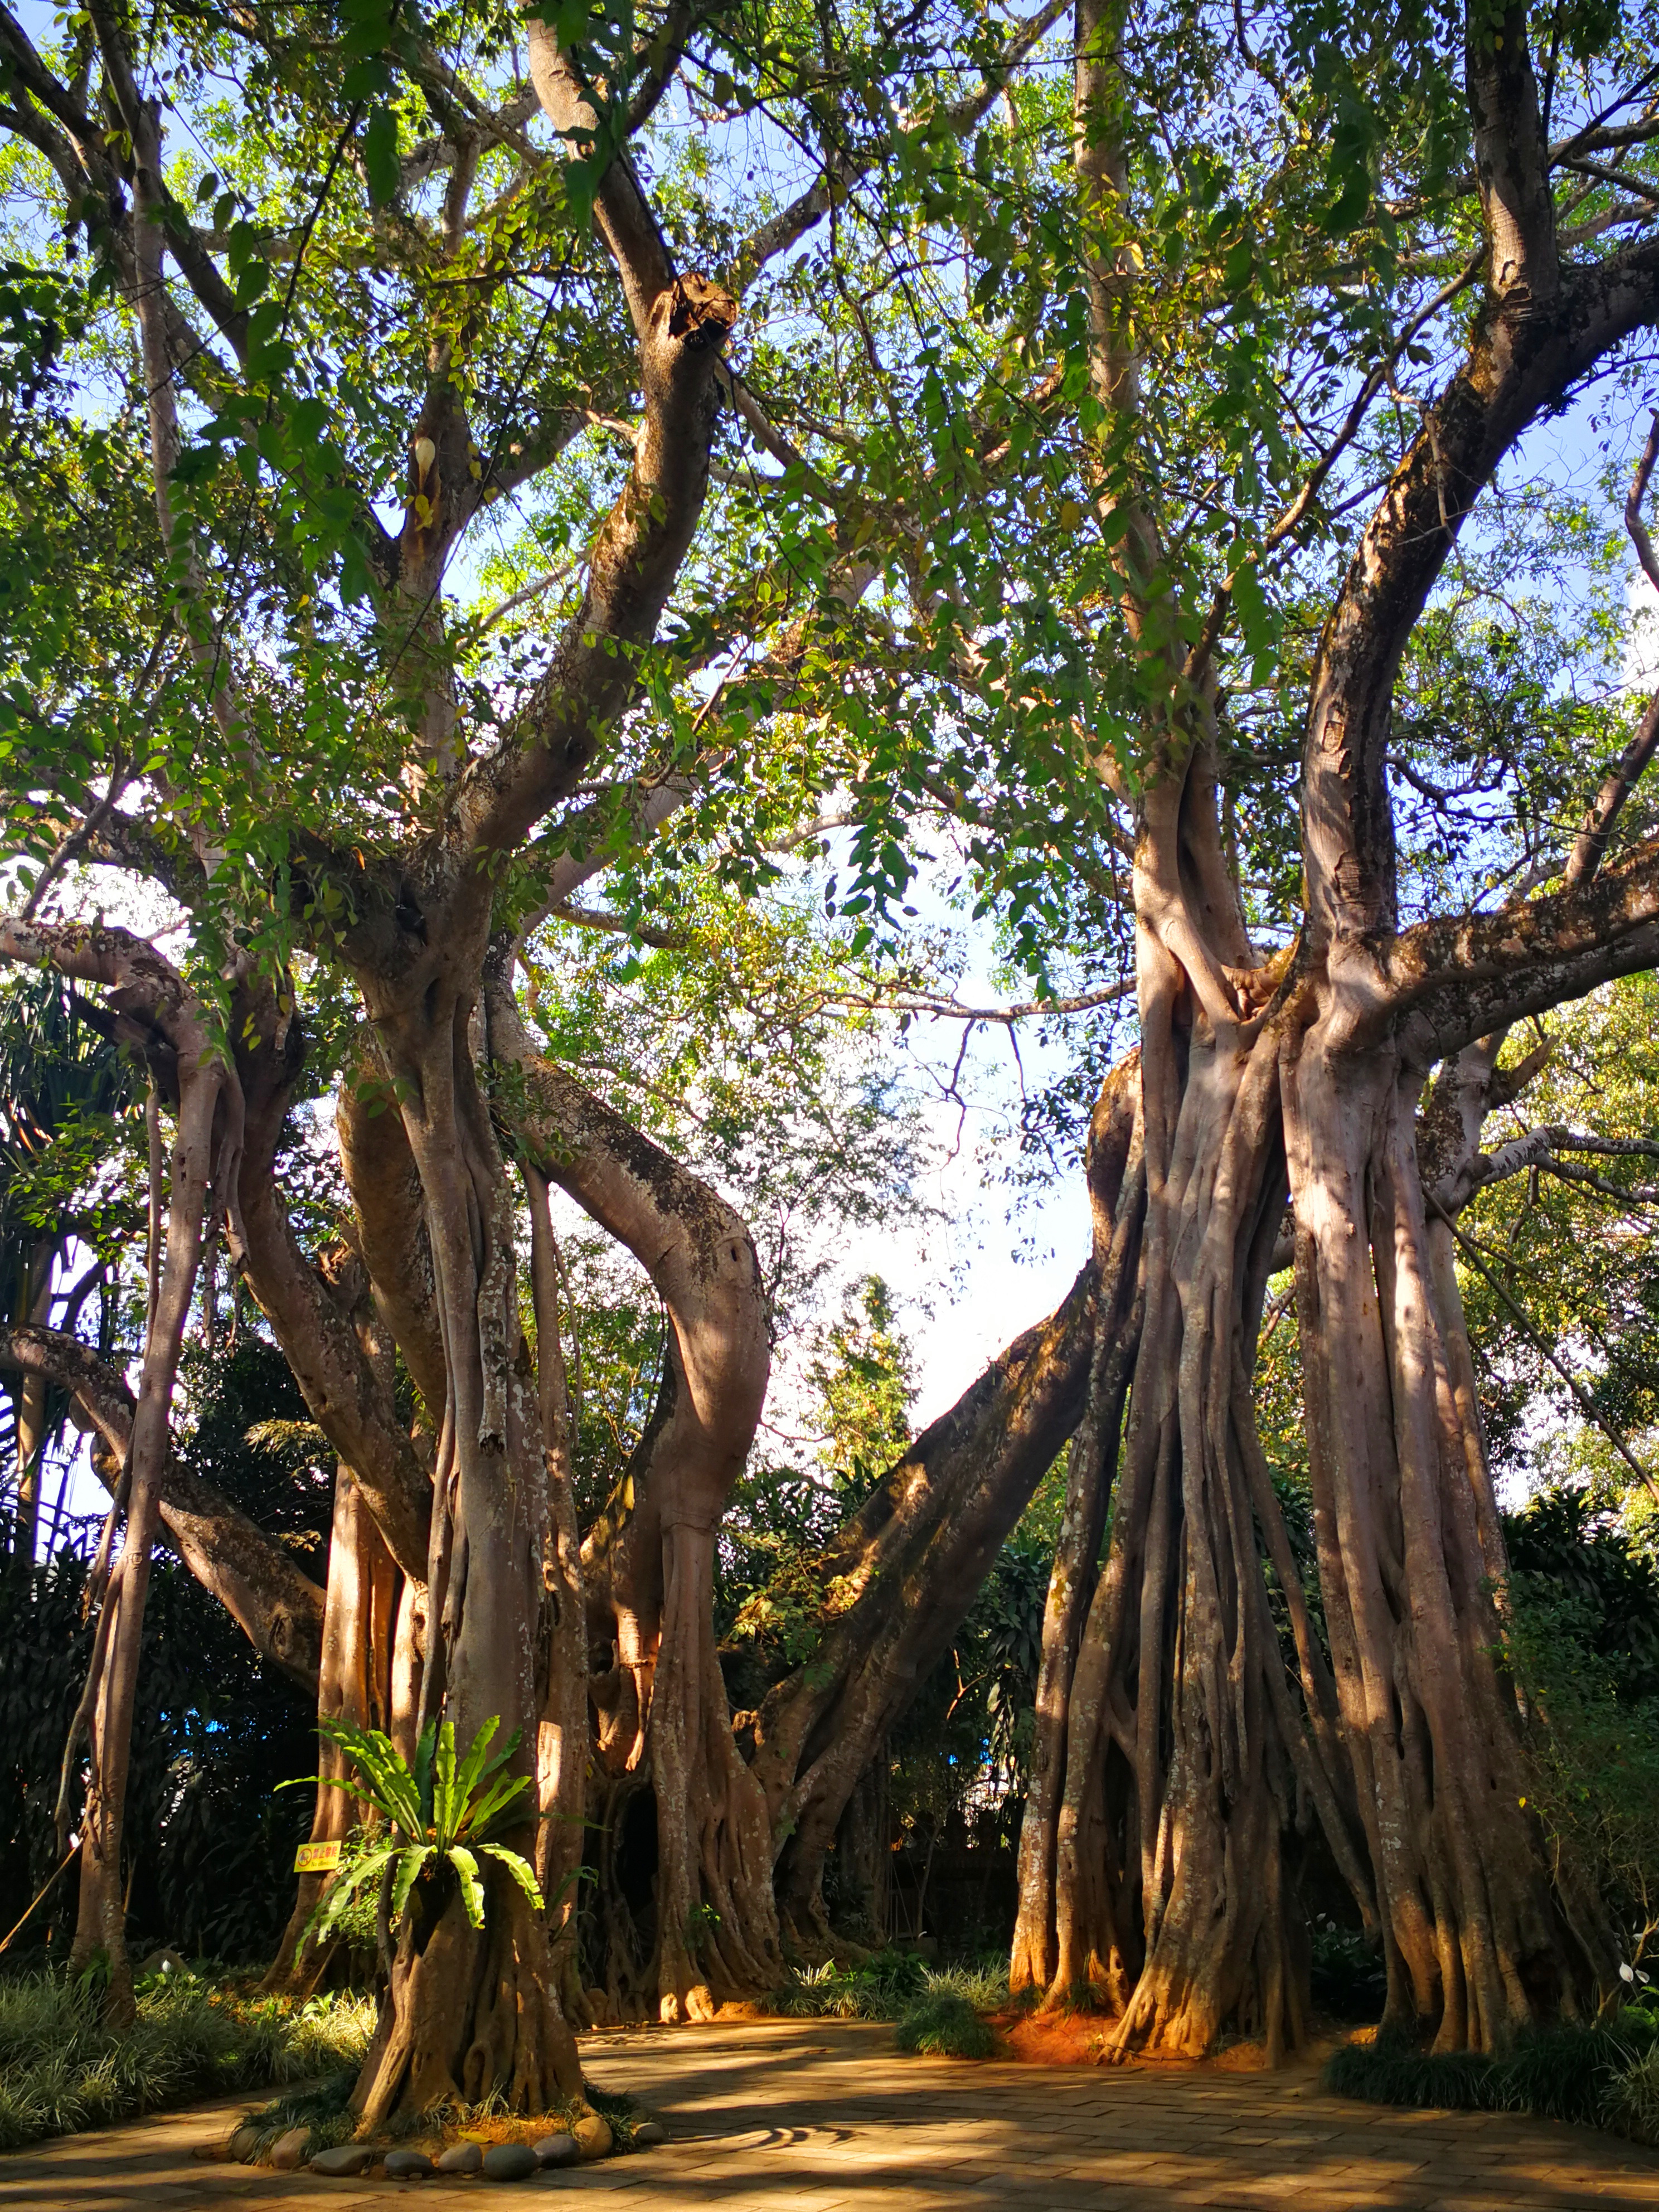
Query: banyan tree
1056 449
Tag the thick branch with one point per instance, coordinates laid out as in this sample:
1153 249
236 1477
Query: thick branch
1448 981
632 569
1519 365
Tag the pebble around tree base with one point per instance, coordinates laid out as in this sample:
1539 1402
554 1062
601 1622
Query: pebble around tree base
345 2158
509 2162
589 2138
592 2137
408 2165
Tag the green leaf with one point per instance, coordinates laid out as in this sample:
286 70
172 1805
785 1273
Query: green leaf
380 156
472 1888
472 1767
424 1773
409 1869
520 1870
445 1805
486 1813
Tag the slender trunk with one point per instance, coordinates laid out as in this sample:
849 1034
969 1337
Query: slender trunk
1092 1467
563 1744
704 1927
355 1684
101 1920
30 1419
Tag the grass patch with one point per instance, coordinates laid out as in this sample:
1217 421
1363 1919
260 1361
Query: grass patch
888 1985
325 2112
945 2026
1604 2076
881 1987
61 2071
937 2008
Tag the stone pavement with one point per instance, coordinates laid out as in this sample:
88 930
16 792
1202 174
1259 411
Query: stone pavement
808 2116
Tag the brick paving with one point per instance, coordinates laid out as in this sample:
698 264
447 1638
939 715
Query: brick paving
824 2115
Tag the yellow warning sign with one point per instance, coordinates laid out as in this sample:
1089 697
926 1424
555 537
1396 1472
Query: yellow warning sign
317 1858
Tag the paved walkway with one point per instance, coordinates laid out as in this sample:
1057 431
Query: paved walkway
804 2117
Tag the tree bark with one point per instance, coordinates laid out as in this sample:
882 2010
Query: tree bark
1090 1472
468 2014
563 1744
1480 1938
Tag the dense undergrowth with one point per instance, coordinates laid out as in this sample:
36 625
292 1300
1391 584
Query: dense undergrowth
61 2070
1602 2076
937 2009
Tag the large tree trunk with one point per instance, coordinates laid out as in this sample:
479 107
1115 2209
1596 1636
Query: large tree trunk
1189 1768
1186 1763
471 2013
915 1555
1480 1941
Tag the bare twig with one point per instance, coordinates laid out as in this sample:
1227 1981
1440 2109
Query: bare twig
1591 843
1586 1404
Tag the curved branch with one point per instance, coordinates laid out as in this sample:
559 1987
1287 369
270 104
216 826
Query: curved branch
348 1401
1519 365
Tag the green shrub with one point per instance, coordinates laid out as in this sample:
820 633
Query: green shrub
945 2026
880 1987
984 1987
61 2071
1632 2098
1584 1647
1561 2073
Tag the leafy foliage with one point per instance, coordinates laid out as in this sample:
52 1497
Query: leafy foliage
945 2026
61 2071
439 1811
1583 1635
1567 2073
